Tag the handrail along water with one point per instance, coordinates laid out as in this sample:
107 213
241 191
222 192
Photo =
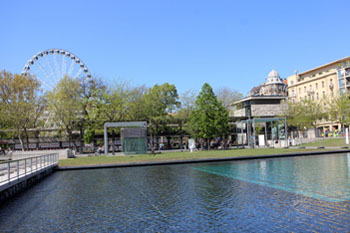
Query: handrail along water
12 170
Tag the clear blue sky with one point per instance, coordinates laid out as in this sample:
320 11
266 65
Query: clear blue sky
184 42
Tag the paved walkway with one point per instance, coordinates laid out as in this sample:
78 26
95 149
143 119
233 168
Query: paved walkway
16 170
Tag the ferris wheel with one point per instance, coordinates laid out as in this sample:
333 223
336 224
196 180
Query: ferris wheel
51 65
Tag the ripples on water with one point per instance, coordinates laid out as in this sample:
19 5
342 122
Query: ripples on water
183 198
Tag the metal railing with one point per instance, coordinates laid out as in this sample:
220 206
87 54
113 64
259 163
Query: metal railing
14 169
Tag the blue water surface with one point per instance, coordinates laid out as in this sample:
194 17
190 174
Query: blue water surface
295 194
321 177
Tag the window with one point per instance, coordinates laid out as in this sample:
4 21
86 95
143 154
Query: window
293 92
324 94
316 86
291 82
305 89
300 98
322 84
310 87
317 95
299 90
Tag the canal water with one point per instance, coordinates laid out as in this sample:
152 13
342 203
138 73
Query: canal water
295 194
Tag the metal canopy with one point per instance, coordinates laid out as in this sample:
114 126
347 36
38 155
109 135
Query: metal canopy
126 124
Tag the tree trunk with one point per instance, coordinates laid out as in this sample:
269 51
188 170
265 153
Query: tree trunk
181 143
21 141
70 136
27 138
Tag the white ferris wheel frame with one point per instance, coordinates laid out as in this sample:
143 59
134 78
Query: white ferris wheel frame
54 73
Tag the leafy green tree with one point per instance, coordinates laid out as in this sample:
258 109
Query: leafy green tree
20 103
209 119
158 102
65 106
113 105
136 103
305 114
88 136
91 91
339 110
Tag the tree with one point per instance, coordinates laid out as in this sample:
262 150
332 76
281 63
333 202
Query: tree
158 102
65 105
188 102
136 103
305 114
226 96
113 105
209 119
91 92
339 110
20 103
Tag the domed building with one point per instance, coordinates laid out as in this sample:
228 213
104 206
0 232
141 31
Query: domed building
273 86
263 106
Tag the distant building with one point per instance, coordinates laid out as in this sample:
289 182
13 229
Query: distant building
258 114
321 84
266 100
274 86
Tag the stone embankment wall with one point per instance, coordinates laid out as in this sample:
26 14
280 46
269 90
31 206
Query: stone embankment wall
23 185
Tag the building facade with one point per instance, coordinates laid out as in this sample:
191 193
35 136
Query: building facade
269 99
321 84
257 116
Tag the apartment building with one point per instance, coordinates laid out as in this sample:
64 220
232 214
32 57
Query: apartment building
321 84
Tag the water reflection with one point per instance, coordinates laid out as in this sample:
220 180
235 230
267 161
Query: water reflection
221 197
323 177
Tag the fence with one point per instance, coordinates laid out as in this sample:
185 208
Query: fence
16 169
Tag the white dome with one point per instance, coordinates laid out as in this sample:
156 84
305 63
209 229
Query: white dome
273 78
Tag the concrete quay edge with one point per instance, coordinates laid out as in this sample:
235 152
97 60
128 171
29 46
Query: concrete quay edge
174 162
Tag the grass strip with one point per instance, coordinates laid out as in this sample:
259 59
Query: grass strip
327 142
172 156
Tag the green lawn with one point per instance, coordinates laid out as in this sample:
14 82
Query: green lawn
327 142
172 156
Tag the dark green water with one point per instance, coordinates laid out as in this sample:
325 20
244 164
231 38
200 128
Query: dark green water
297 194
